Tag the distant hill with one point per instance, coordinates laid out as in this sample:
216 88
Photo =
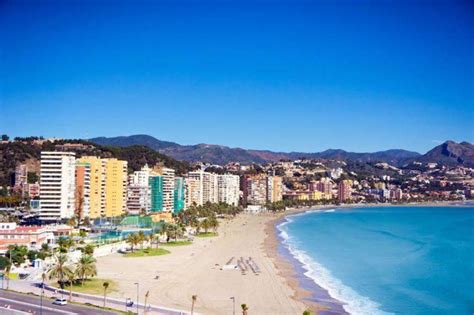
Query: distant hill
450 153
14 153
146 140
219 154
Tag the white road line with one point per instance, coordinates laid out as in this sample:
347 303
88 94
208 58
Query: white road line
36 305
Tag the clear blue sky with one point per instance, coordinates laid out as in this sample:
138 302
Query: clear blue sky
287 76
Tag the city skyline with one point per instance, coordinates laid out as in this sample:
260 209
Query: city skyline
279 76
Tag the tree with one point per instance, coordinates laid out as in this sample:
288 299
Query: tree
194 298
205 224
141 238
133 240
89 249
60 269
244 309
71 276
17 254
307 312
5 138
65 243
86 267
7 273
4 262
146 299
32 177
106 286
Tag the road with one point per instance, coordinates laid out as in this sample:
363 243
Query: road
31 303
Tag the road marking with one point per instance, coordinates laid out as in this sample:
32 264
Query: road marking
36 306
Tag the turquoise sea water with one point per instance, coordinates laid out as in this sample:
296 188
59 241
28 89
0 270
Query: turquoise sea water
388 260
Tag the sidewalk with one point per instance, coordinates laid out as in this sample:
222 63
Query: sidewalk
26 286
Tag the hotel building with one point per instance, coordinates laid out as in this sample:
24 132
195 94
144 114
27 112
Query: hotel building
57 185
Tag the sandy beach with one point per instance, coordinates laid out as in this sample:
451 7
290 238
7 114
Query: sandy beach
196 270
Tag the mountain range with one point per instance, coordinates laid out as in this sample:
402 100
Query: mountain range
449 153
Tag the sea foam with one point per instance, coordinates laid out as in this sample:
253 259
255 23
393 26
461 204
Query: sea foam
353 302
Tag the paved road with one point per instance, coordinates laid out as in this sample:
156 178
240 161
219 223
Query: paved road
30 303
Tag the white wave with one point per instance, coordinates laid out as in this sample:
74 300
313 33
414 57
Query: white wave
330 210
353 302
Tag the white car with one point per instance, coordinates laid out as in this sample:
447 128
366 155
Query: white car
60 301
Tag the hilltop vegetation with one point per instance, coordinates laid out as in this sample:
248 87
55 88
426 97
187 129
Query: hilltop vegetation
14 153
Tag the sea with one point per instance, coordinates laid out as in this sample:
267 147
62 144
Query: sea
385 260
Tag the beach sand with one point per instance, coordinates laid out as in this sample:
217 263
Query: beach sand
196 270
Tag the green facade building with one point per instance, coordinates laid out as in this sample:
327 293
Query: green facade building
156 188
178 194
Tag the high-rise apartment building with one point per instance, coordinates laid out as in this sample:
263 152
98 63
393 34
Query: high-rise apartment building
57 185
255 189
228 187
193 187
344 190
107 186
274 189
156 190
139 192
168 176
209 188
82 190
178 194
115 187
96 185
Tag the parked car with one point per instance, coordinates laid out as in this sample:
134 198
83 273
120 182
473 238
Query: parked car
60 301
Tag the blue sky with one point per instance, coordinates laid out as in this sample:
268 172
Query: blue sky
285 76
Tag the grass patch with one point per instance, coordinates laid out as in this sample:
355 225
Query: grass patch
92 286
208 234
177 243
148 252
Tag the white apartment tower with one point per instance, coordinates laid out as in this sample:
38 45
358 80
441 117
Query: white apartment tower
202 188
57 185
228 187
139 192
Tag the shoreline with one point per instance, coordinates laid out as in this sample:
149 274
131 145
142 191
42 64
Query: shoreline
316 298
306 289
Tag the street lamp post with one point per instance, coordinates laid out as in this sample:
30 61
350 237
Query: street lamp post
138 295
233 305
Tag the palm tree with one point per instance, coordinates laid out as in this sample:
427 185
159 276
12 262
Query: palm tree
244 309
71 276
133 239
7 273
146 299
157 240
106 286
86 267
205 224
60 269
141 238
194 298
164 230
